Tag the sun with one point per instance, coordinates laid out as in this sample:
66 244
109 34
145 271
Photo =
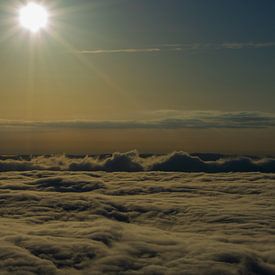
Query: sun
33 17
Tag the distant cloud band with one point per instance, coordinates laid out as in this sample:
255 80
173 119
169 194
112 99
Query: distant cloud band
166 119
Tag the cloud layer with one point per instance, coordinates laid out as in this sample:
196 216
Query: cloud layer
133 162
162 119
55 222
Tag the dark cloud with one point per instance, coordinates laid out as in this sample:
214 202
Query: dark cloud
118 162
133 162
17 165
137 223
182 162
68 184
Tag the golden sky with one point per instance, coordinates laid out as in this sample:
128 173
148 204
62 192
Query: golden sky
139 62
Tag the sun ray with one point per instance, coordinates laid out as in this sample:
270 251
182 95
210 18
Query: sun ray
73 50
8 35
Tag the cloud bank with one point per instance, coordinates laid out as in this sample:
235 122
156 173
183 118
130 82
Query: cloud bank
133 162
55 222
163 119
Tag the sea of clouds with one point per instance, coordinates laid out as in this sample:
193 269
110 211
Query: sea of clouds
71 222
134 162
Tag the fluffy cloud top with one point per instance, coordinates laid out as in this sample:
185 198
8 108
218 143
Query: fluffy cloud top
133 162
56 222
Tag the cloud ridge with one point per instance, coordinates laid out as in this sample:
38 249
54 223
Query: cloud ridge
134 162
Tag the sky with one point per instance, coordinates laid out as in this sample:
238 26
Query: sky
152 75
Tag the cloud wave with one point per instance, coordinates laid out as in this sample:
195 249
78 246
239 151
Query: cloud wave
55 222
134 162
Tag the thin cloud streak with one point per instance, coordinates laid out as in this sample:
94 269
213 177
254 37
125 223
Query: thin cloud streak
183 48
106 51
250 45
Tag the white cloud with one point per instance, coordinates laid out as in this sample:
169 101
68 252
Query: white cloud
131 50
55 222
183 48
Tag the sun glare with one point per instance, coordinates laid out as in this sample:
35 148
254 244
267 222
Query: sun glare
33 17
